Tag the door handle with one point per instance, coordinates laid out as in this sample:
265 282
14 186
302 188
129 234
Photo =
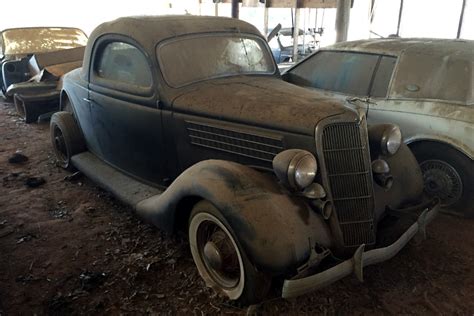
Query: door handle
87 100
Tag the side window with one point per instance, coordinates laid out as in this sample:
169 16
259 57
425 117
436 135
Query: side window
344 72
124 63
383 76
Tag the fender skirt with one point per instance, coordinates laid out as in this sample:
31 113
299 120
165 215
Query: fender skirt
275 229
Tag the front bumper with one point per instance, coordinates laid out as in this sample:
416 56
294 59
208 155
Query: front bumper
361 259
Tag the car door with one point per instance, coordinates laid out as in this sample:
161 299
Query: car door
124 107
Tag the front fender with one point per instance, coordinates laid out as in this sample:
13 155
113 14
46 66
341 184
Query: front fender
274 228
407 185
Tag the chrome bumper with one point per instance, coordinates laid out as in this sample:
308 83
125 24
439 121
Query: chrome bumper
361 259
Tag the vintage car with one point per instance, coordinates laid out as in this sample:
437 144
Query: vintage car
425 86
281 43
32 60
186 119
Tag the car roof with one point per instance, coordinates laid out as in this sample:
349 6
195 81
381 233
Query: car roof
147 31
442 69
166 26
396 46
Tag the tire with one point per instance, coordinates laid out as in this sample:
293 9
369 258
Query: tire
66 138
448 174
220 259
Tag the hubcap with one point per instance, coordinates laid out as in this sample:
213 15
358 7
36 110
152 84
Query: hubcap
219 255
216 255
60 144
442 180
213 255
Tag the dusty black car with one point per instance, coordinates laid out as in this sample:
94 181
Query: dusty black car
32 60
187 120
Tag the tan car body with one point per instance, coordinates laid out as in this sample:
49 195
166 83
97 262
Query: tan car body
441 71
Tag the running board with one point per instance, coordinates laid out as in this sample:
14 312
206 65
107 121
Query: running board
125 188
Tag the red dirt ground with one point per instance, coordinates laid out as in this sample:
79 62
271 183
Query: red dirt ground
67 247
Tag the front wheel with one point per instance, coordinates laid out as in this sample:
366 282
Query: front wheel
447 174
220 260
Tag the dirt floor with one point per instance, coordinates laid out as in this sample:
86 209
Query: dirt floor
68 247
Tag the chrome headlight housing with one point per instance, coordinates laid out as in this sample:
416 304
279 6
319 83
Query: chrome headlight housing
387 137
391 140
296 168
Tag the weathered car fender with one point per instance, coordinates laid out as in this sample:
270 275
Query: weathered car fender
407 185
275 228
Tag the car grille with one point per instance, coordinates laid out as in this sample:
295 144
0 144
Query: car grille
350 180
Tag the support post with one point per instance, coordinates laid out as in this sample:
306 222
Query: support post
216 9
235 9
400 12
461 18
265 21
342 19
296 33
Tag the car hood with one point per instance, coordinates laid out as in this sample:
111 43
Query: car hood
260 101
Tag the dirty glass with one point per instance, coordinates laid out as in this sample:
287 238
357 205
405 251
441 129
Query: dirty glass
125 63
40 40
195 58
344 72
448 76
382 76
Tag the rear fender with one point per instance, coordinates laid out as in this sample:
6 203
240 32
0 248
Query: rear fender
274 228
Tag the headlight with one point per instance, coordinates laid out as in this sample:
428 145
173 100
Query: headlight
386 138
391 140
295 168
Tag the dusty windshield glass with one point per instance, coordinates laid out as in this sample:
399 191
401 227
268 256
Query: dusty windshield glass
40 40
196 58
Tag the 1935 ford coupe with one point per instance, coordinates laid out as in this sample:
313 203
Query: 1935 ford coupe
187 120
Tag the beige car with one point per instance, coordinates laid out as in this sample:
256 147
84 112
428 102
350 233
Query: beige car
426 86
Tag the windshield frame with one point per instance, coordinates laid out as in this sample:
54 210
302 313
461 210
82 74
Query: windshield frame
7 53
255 37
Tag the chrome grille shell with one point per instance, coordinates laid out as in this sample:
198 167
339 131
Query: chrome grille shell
343 153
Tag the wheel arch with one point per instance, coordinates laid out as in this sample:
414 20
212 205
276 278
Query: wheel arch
275 228
183 211
62 99
444 141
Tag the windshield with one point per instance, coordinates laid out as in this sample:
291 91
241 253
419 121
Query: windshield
196 58
40 40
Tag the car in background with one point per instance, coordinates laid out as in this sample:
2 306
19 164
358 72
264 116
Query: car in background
186 119
425 86
281 42
32 60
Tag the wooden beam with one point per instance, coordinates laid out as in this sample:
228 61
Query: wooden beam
286 3
301 3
